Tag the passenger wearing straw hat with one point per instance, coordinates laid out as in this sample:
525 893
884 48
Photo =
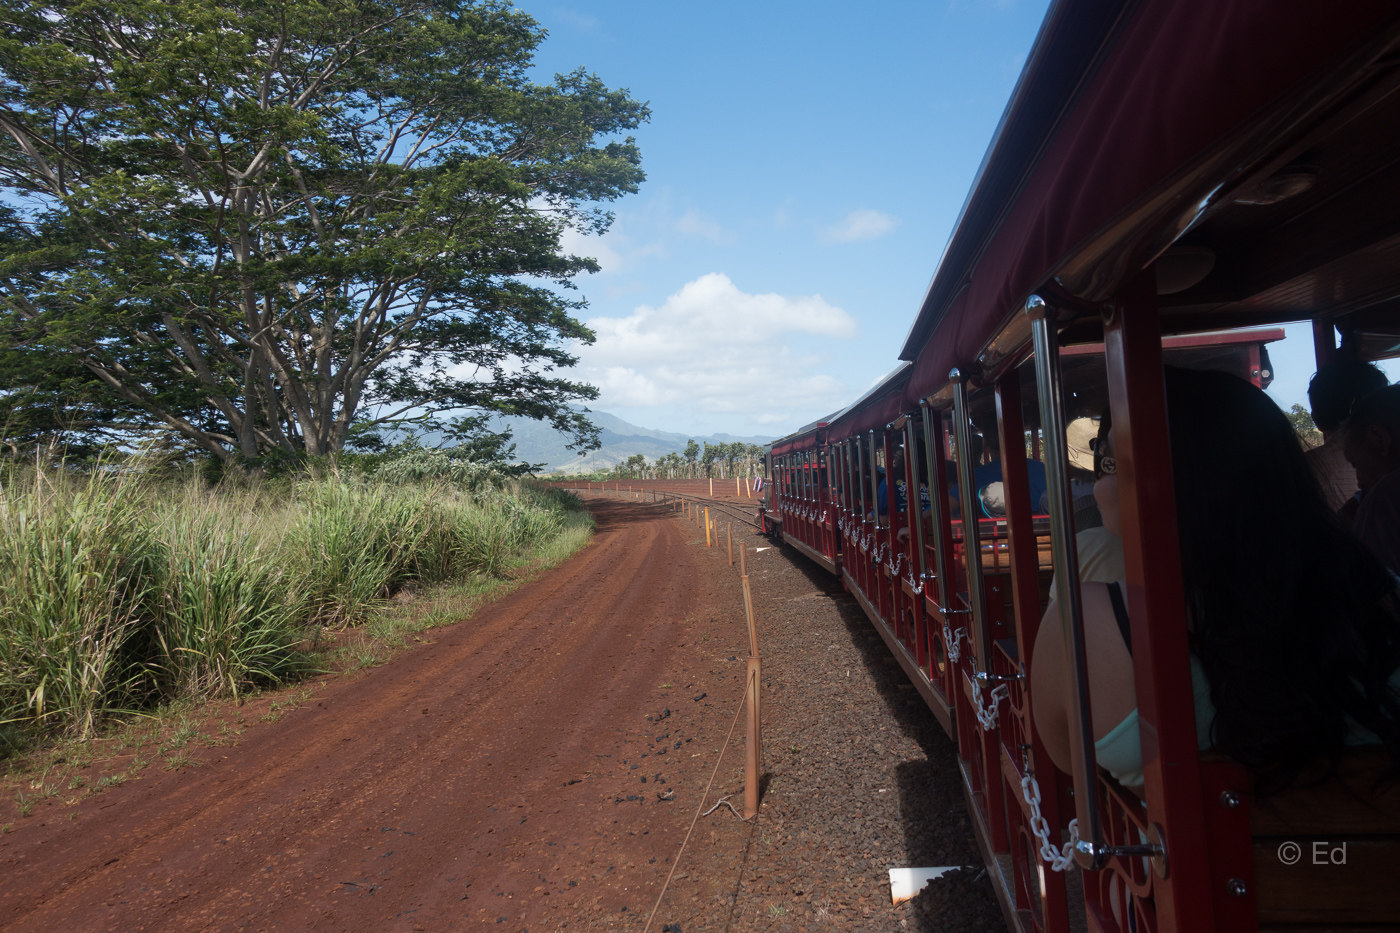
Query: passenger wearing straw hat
1099 549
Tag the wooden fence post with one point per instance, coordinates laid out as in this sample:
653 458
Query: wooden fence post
753 744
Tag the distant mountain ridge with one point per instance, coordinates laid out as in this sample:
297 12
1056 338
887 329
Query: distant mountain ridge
537 442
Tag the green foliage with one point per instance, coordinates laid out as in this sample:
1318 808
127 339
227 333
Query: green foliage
267 226
122 589
1303 426
446 465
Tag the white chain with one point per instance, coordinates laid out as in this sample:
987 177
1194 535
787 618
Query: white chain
1057 858
988 717
951 644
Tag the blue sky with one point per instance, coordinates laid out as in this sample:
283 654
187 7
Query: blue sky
805 164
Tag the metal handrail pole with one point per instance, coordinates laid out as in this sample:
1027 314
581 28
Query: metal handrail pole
1089 853
940 559
874 479
912 500
972 537
860 486
848 448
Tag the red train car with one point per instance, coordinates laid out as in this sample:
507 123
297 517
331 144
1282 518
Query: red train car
1170 182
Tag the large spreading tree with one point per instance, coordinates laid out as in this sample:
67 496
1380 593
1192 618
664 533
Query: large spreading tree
272 225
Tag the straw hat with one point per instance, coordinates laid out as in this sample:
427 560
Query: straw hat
1079 436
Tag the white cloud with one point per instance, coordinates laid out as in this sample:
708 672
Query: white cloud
713 349
615 250
578 244
693 223
863 224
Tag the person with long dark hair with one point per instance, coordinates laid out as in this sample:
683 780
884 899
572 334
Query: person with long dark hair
1294 626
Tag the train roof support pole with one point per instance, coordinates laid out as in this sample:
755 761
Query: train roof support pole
1157 608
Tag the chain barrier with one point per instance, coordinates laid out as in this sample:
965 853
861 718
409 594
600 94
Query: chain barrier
988 717
952 643
1058 858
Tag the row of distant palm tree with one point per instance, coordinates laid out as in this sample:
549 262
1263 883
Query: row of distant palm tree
696 461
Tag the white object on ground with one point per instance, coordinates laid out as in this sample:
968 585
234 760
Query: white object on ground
906 882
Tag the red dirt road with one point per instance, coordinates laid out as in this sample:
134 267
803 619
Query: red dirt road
489 776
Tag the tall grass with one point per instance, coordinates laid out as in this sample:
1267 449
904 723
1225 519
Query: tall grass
79 564
119 592
230 611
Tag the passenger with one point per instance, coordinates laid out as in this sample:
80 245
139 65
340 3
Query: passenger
1081 435
975 447
881 507
1294 627
925 499
1372 445
991 492
882 496
1333 389
1099 549
901 495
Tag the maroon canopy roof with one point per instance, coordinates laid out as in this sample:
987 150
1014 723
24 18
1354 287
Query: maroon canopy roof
1127 118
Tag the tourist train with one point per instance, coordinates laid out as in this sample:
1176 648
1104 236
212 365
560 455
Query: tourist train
1170 184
